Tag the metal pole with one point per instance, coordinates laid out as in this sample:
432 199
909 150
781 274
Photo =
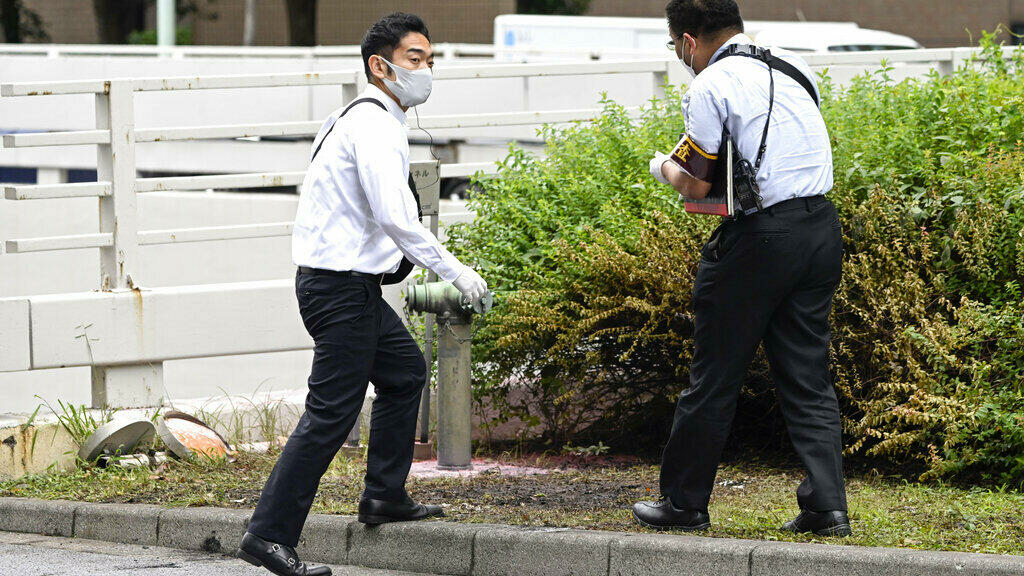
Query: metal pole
249 29
428 352
165 22
454 398
115 163
428 357
122 386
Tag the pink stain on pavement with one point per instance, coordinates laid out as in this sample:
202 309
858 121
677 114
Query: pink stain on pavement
428 469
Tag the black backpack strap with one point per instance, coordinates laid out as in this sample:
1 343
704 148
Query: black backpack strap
347 108
751 51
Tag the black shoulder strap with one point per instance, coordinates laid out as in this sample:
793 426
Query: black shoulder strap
751 51
347 108
405 266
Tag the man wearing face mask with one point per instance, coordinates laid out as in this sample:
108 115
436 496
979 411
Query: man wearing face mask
767 275
357 228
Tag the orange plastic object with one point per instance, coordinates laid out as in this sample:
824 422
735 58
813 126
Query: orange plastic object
186 435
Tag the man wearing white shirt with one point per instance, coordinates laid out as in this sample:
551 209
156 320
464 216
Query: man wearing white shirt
356 228
765 276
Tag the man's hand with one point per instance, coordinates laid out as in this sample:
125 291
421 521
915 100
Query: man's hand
656 164
471 285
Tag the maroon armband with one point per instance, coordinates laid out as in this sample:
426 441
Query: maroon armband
694 161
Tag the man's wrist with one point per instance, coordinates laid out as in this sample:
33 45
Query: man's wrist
451 272
657 166
666 171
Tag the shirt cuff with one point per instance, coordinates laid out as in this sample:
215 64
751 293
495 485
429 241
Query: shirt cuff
449 269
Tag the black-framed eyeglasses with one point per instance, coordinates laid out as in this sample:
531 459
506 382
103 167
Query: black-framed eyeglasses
671 45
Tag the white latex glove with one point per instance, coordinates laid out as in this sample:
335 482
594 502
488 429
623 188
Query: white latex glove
656 163
471 285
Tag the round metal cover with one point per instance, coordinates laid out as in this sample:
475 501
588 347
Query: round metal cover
186 435
121 436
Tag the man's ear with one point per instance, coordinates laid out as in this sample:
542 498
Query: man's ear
379 67
690 40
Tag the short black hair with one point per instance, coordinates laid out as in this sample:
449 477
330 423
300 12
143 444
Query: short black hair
703 17
386 34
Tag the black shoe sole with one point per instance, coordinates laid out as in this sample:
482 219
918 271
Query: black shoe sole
249 558
696 528
377 519
838 531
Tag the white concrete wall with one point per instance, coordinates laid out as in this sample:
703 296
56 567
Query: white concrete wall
169 265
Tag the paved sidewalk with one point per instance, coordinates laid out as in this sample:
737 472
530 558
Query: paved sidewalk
32 555
458 549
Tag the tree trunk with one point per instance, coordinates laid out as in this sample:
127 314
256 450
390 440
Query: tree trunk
115 19
249 35
10 13
302 22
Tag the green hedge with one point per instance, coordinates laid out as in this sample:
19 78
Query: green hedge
593 263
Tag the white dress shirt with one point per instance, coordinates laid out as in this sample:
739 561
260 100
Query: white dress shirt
356 211
734 91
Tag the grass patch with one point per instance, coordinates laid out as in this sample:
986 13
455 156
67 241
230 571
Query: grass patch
750 501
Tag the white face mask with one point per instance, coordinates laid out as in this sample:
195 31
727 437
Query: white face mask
689 67
412 87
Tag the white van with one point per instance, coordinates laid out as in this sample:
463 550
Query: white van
531 37
810 39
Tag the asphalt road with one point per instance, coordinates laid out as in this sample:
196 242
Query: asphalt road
31 555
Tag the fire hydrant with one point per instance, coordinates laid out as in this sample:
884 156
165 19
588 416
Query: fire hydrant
454 367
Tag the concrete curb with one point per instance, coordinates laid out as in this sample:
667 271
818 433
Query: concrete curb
488 550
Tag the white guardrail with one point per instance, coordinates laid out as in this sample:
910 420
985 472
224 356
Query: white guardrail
947 59
139 329
116 137
443 51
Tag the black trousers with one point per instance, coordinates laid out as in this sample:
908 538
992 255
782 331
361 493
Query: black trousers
766 278
357 338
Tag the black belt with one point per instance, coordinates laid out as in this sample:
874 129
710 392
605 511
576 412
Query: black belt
804 203
376 278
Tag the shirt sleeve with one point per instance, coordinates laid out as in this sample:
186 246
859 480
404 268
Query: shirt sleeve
381 155
705 116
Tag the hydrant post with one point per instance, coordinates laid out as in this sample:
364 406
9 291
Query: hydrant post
454 394
454 367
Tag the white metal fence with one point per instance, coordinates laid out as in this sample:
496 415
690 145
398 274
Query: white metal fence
116 137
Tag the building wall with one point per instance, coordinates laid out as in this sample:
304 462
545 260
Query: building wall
934 23
339 22
66 21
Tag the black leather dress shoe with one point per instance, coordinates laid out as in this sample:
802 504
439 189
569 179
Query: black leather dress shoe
381 511
831 523
278 558
663 515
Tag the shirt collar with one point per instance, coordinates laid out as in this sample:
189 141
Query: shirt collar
740 38
389 102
